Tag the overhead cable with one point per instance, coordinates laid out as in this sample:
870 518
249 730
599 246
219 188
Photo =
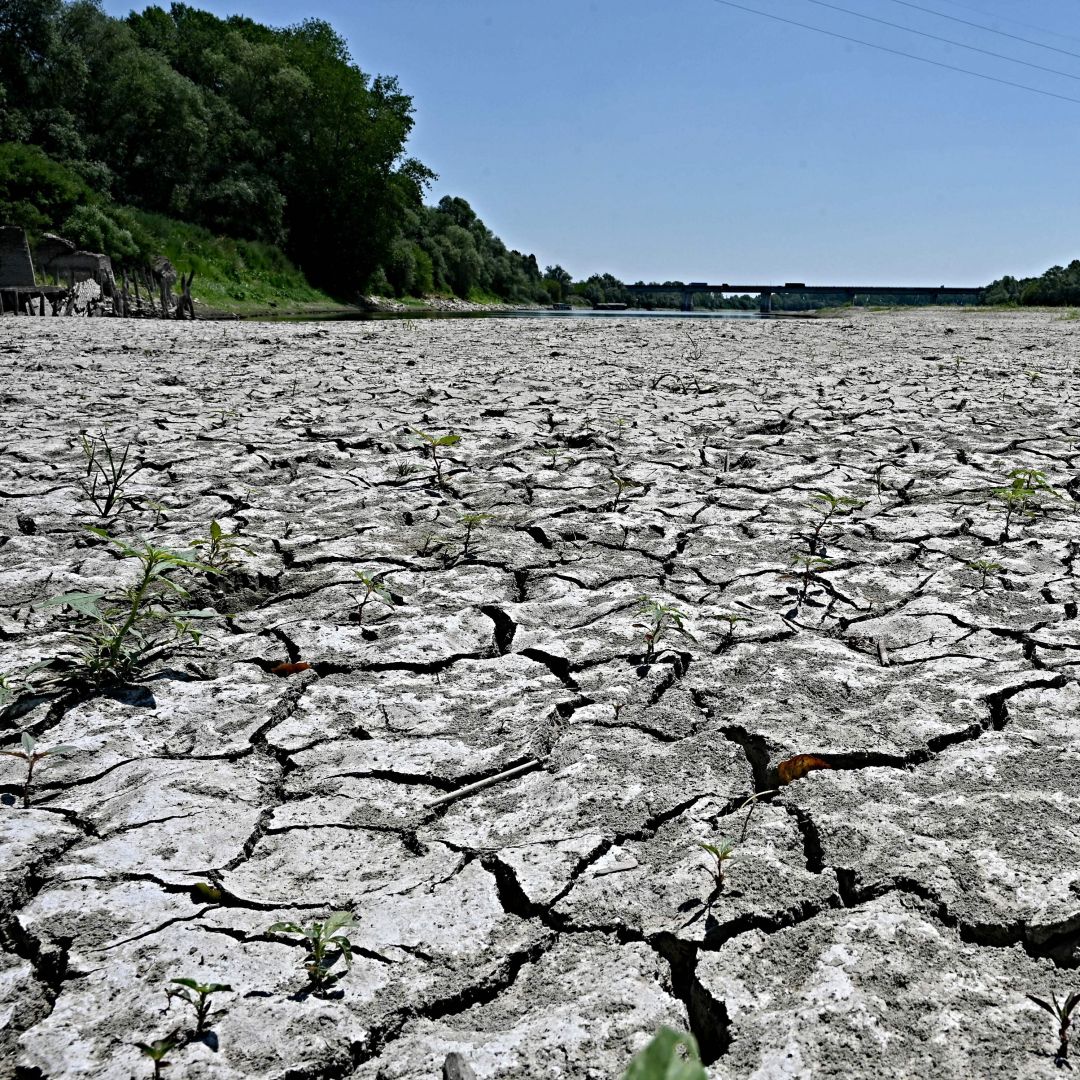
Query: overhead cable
944 40
898 52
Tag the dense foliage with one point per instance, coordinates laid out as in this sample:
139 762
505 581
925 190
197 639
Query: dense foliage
1058 287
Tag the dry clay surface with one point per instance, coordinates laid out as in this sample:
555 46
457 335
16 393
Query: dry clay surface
882 918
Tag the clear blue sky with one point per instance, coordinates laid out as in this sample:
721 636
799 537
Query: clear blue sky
684 139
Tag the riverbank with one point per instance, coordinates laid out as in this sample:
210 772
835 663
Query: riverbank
874 702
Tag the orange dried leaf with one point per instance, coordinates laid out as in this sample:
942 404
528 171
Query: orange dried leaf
799 765
289 669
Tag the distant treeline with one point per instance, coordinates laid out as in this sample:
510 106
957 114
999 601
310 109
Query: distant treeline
1058 287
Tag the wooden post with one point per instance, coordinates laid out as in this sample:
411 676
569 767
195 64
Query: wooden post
41 306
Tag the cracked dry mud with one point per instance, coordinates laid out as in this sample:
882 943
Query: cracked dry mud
884 918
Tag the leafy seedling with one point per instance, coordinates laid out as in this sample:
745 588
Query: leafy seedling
107 471
660 621
622 485
808 566
984 568
471 521
672 1055
123 633
374 589
219 548
720 853
827 506
1021 495
1062 1014
404 469
31 755
156 1052
433 444
732 621
321 939
197 995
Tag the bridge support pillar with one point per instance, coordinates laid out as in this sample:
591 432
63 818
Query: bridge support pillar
765 303
688 301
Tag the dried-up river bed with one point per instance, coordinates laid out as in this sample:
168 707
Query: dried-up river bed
885 917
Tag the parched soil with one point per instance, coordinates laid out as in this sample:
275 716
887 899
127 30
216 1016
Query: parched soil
882 917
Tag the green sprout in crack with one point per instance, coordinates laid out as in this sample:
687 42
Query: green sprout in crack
374 589
30 754
404 469
827 506
1022 494
732 621
720 852
555 455
660 621
156 1052
984 568
197 995
219 548
107 470
808 566
622 485
433 444
325 943
1062 1014
471 521
671 1055
122 633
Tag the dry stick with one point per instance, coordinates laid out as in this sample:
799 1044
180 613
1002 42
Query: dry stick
882 652
752 802
481 784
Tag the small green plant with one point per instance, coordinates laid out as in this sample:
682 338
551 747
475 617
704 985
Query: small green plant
808 566
29 753
622 485
732 621
321 939
984 568
721 853
827 506
123 633
433 444
156 1052
374 589
219 548
1062 1014
1021 495
672 1055
471 521
404 469
554 455
107 471
197 995
660 621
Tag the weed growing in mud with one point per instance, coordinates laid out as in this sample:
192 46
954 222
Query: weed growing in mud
721 853
374 589
219 548
660 621
29 753
107 471
156 1052
732 621
622 485
471 521
984 568
197 995
672 1055
827 506
1062 1014
1021 495
322 938
433 444
808 566
124 633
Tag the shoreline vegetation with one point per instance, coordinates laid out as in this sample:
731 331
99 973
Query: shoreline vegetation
267 162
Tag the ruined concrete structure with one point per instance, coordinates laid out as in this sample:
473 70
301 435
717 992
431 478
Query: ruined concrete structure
16 268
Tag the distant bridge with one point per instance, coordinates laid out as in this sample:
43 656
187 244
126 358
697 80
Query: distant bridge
766 292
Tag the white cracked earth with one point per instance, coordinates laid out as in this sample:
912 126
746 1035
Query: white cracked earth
884 917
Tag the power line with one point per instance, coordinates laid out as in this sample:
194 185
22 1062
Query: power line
1015 22
898 52
947 41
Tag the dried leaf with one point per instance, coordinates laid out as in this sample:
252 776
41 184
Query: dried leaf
798 766
289 669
